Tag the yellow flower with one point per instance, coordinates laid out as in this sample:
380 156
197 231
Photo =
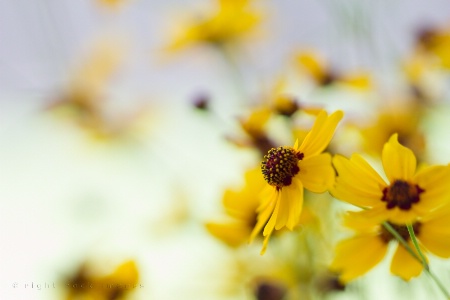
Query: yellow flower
323 74
241 207
233 20
403 120
113 4
287 170
89 284
355 256
406 196
435 42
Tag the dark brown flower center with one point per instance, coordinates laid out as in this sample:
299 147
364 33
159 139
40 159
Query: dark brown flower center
401 194
386 236
280 165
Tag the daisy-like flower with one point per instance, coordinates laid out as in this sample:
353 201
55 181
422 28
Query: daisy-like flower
287 170
233 20
405 120
355 256
406 195
323 74
88 283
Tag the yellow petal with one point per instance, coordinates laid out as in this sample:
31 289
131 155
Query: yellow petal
233 234
357 183
265 211
435 235
356 256
316 173
321 133
366 221
404 264
399 162
434 181
291 202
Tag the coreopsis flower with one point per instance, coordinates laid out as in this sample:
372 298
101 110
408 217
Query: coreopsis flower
232 21
357 255
435 43
254 127
88 283
405 120
405 196
324 75
241 206
287 170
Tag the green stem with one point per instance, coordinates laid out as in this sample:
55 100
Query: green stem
424 261
416 245
420 258
401 240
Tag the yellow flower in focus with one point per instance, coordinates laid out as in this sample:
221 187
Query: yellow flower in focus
90 284
357 255
405 121
232 21
406 196
241 207
287 170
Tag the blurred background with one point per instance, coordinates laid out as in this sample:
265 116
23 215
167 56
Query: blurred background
122 124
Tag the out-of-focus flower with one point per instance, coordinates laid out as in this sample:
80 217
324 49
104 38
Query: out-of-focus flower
287 170
254 127
323 74
241 207
231 22
355 256
89 283
405 121
83 100
435 43
407 195
112 4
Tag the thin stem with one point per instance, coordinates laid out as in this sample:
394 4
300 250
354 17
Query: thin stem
420 258
424 261
401 240
416 245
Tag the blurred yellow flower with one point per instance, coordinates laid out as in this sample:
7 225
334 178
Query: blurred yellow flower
90 284
114 4
407 195
287 170
241 207
232 21
254 127
435 42
323 74
355 256
405 121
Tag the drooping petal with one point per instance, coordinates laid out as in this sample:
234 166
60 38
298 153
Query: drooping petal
357 183
270 226
404 264
399 162
356 256
321 133
316 173
295 196
265 210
